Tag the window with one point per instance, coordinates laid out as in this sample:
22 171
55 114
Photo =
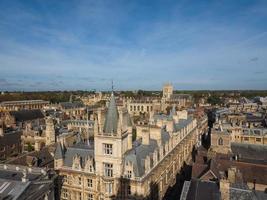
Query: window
246 138
109 187
64 194
79 195
64 179
90 168
258 139
129 190
131 108
79 180
90 183
129 174
108 149
220 141
90 197
2 149
108 169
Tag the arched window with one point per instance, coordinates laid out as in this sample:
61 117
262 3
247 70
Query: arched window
220 141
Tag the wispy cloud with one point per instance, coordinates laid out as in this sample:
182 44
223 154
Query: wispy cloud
86 44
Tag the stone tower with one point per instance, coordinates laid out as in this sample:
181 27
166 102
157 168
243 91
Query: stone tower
167 91
111 142
50 131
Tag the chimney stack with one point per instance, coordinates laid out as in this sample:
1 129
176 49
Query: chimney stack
1 128
145 137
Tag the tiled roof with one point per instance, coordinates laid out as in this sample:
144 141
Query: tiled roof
26 115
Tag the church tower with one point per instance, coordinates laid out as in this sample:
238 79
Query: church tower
167 91
50 131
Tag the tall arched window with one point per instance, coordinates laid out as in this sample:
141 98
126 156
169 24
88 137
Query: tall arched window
220 141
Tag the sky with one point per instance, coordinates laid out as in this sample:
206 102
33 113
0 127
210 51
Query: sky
84 44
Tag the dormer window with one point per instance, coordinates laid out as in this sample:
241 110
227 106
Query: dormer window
90 168
129 174
220 141
77 166
107 149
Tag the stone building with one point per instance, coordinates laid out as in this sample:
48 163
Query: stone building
223 134
115 167
143 106
148 105
23 105
26 183
10 142
37 136
85 127
72 110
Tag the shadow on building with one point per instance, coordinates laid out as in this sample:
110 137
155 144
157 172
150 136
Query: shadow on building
174 191
124 191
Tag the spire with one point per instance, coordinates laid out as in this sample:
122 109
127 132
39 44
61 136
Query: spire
173 111
112 86
111 120
71 98
59 154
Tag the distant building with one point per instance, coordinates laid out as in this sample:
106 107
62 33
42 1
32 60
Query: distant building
22 105
10 143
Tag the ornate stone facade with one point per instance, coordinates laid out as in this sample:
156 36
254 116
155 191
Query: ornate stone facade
115 167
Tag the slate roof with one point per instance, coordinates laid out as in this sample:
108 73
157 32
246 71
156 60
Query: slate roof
71 105
250 152
10 138
83 150
182 123
141 151
59 154
241 192
138 154
27 115
200 190
249 171
162 117
111 120
13 188
42 158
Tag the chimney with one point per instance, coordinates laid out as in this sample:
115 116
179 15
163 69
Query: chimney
1 131
232 174
225 189
145 137
1 128
24 177
254 184
130 140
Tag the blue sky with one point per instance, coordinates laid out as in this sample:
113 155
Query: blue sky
59 45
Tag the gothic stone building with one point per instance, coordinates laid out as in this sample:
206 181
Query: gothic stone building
114 167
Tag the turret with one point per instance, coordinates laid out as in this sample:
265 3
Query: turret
50 131
59 156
